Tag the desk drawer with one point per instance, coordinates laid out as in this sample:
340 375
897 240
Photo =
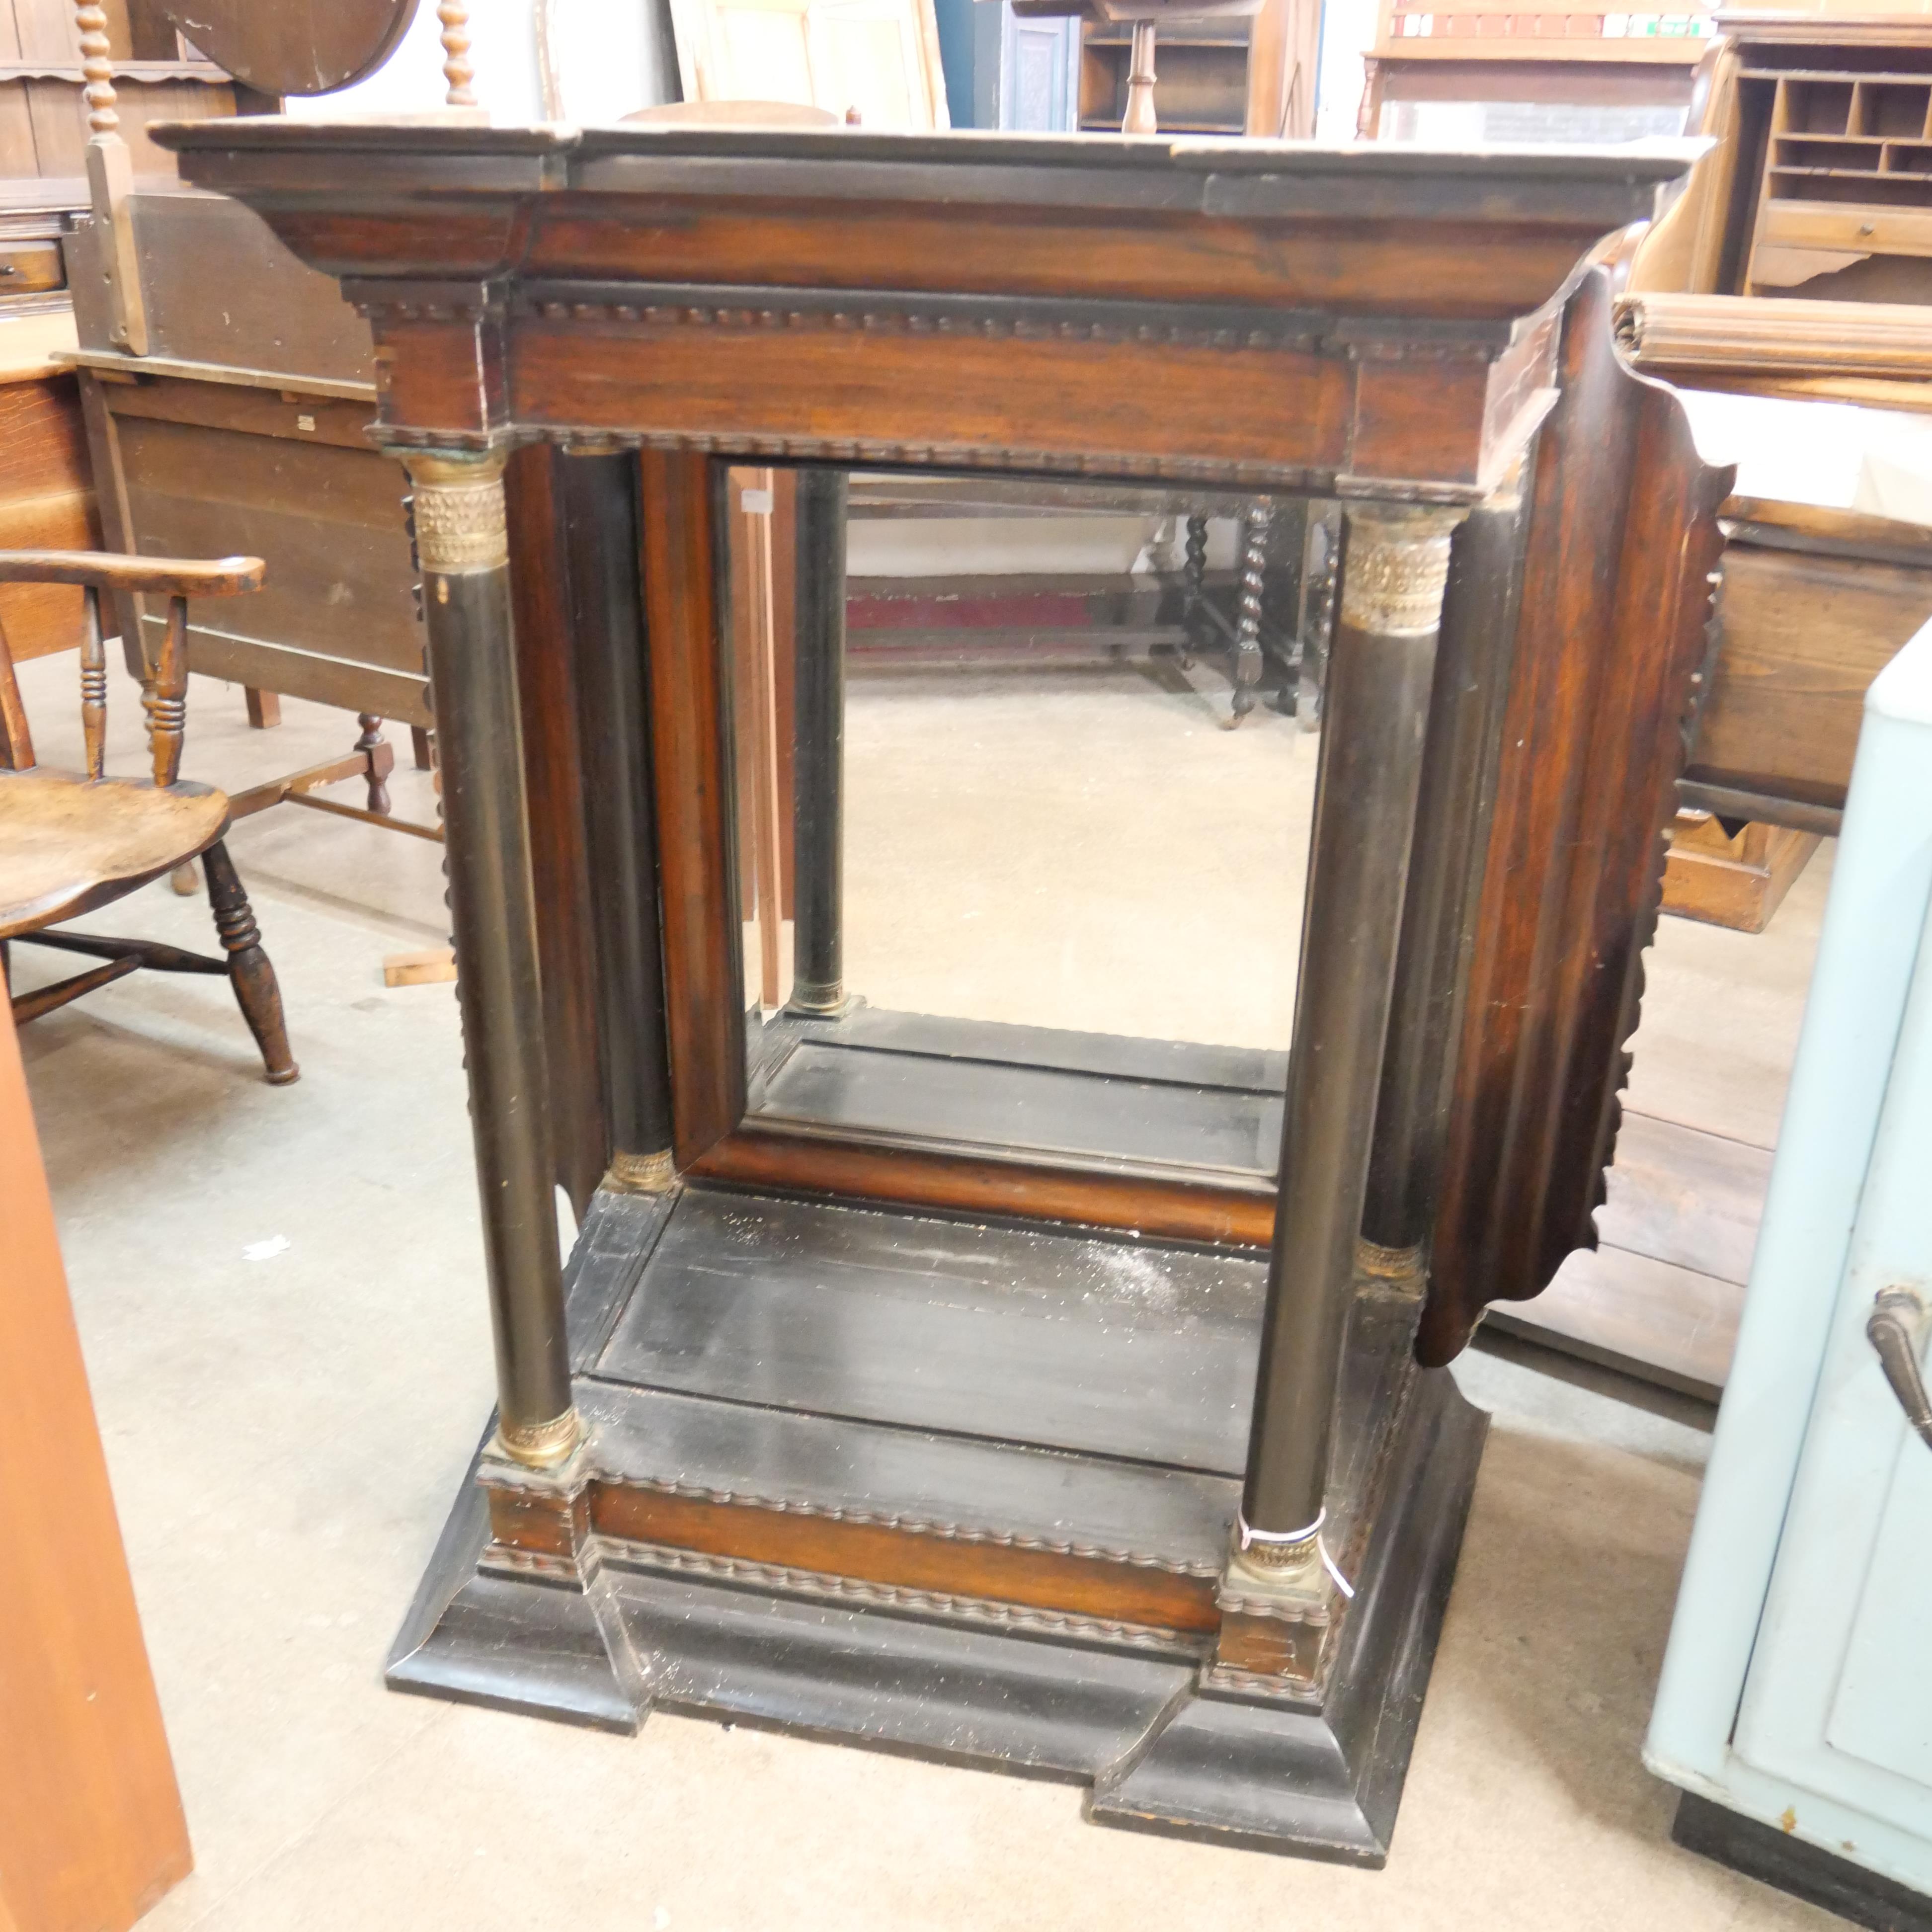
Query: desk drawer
28 267
1846 225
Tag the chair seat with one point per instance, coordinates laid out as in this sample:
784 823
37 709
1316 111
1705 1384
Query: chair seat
68 844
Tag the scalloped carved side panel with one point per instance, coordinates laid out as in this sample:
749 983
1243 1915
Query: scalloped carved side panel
1612 650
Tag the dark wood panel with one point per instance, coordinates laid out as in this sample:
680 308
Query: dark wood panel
1154 254
1116 1348
599 497
691 724
1612 634
1126 400
554 774
1803 637
1415 419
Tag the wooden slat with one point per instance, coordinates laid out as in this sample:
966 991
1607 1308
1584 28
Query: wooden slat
295 319
270 665
328 520
1803 637
19 155
59 119
1661 1297
1662 1323
1680 1195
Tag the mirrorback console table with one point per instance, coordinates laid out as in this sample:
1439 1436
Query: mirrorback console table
1064 1459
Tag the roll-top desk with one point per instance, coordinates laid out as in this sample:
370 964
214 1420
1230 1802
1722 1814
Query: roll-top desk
944 1382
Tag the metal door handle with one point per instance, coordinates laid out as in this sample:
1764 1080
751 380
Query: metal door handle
1897 1331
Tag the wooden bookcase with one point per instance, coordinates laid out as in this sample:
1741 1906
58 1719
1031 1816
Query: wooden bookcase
1203 70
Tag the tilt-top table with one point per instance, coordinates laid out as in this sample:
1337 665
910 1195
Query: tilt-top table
1050 1446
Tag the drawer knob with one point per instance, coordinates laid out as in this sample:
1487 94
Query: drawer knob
1897 1331
1865 228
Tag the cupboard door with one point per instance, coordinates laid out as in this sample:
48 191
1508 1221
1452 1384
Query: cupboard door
1039 74
1838 1699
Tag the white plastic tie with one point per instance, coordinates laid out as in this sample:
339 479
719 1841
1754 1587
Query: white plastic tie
1249 1537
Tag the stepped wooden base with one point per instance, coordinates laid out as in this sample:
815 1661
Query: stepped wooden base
966 1491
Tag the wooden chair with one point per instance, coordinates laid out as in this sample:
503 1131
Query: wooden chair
71 841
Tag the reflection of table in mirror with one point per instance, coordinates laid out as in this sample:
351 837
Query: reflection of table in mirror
1044 1456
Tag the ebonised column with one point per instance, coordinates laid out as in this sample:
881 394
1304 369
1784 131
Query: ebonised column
1474 649
611 650
462 544
1376 715
818 751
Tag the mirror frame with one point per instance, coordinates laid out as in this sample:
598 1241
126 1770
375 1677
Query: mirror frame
684 522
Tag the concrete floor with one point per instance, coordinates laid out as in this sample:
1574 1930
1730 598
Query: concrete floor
280 1294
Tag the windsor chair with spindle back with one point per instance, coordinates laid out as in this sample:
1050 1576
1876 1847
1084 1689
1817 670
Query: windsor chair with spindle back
71 841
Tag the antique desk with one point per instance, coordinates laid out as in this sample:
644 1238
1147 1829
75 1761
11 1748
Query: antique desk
1033 1423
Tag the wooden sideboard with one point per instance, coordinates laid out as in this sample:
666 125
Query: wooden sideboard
1180 1415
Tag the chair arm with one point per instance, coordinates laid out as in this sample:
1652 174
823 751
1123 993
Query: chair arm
106 570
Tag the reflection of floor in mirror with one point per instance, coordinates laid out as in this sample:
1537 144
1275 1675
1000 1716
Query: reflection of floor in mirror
1090 849
285 1436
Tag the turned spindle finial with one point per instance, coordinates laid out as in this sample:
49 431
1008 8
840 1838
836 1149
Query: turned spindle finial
454 15
97 69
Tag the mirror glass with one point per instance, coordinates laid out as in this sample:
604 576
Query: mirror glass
1009 873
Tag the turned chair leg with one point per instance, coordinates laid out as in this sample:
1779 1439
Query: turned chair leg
382 757
249 972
